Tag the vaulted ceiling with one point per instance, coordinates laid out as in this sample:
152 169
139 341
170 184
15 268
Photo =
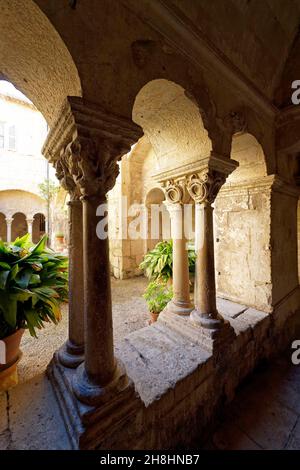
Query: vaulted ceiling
259 37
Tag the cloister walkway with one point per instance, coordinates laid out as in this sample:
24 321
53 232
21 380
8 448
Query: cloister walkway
264 415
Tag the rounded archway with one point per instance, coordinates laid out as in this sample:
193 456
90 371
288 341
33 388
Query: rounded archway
172 122
3 231
34 57
19 225
158 223
38 227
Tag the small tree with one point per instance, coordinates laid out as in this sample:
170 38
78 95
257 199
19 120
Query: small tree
48 190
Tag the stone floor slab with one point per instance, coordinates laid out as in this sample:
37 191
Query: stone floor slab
3 412
35 420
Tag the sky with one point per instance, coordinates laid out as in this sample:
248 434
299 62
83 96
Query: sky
7 88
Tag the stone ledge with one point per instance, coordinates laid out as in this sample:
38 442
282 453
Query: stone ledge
177 385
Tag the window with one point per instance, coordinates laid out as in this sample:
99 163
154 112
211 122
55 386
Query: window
1 135
12 137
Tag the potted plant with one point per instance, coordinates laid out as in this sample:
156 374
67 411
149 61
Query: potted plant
157 295
158 263
33 283
60 238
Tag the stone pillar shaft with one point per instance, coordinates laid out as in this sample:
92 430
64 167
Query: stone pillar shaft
8 229
99 358
71 353
181 290
30 227
205 288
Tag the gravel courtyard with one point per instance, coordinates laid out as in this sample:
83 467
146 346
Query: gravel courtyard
129 314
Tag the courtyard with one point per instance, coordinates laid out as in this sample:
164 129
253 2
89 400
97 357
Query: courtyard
157 139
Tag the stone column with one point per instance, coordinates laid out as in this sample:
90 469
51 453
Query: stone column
176 197
203 188
93 165
30 226
71 354
9 221
180 303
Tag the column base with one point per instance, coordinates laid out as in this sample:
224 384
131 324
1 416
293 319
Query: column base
206 320
91 427
93 394
180 308
71 355
213 339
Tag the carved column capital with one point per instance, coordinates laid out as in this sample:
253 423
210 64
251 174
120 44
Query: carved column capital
64 175
85 145
176 191
204 186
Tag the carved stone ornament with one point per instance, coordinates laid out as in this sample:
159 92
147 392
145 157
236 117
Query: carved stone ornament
235 122
85 145
175 191
93 164
62 167
204 186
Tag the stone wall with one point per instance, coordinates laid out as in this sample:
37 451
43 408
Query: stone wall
298 235
284 242
130 196
242 244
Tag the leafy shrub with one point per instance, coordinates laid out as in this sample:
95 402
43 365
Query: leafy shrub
157 295
33 283
158 263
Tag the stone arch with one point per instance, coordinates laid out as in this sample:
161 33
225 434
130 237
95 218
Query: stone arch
14 200
2 227
35 59
19 225
173 124
155 197
38 226
248 152
243 221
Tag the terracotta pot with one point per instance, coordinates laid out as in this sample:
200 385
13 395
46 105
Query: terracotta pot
12 347
154 317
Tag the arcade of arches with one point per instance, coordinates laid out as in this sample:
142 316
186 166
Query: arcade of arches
20 214
172 131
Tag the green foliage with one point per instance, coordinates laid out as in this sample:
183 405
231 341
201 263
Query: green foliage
33 283
48 190
158 263
157 295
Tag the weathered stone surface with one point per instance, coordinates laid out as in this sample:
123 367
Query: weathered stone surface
156 358
5 440
230 309
35 420
230 437
294 440
3 412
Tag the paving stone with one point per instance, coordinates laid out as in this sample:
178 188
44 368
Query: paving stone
263 418
294 441
35 420
3 412
230 437
5 440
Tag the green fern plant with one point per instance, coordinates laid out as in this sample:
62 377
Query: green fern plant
157 296
158 263
33 283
